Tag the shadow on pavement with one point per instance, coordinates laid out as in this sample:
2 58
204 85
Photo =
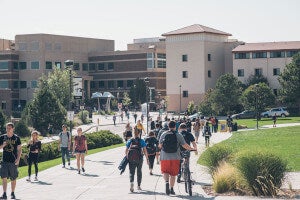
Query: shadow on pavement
41 183
104 162
91 175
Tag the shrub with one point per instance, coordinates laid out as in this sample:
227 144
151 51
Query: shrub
21 129
215 154
264 172
83 116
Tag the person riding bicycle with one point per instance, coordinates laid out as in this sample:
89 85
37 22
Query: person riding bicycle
189 138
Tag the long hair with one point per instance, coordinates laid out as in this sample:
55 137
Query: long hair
32 133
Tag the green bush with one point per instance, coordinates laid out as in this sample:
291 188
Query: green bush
216 154
263 172
83 116
21 129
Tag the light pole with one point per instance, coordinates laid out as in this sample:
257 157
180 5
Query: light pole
179 100
69 64
147 106
256 105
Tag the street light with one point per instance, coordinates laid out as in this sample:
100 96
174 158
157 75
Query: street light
147 106
69 64
179 100
256 105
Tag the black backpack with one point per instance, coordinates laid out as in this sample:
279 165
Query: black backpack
207 132
134 152
170 143
151 147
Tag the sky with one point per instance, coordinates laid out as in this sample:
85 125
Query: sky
125 20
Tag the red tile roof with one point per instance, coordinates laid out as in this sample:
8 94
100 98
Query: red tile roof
268 46
196 28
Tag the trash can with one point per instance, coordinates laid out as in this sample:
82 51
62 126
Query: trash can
234 126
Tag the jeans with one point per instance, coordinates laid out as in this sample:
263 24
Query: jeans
65 153
132 167
151 160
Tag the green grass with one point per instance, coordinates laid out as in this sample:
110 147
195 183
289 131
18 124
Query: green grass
251 123
284 142
51 163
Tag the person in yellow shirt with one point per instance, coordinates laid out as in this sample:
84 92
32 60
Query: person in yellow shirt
140 128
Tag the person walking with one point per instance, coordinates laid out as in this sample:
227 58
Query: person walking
114 119
140 128
197 128
274 120
135 117
169 143
35 147
80 148
151 146
135 147
64 145
207 133
12 150
128 132
229 122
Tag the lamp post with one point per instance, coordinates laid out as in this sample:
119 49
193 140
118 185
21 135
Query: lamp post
256 105
147 106
179 100
69 64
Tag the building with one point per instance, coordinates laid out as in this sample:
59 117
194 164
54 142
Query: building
196 57
267 58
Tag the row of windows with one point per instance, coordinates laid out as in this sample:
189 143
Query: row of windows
18 84
111 84
263 54
185 74
184 57
258 71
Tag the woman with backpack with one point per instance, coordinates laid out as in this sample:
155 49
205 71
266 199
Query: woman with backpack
135 148
34 146
127 132
151 146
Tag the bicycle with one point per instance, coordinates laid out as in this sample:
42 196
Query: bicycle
186 173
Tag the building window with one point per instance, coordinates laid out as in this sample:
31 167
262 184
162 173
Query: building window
291 53
22 46
85 66
120 84
209 57
161 55
15 84
110 84
184 74
92 66
35 65
184 58
48 65
22 65
276 71
258 72
57 47
3 105
110 66
23 84
3 84
34 84
277 54
241 55
150 60
58 65
185 93
240 72
101 84
35 46
48 46
209 74
93 84
259 54
3 65
101 66
129 83
16 65
161 64
76 66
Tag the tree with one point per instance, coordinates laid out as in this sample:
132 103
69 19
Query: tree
191 108
137 92
226 95
126 99
2 122
264 95
289 80
255 79
205 106
21 129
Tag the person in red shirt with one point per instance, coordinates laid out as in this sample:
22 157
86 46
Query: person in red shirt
80 148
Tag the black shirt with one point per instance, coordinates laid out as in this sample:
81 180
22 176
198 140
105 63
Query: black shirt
35 146
10 151
188 137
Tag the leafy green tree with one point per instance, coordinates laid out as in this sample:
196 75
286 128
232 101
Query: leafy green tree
126 99
21 129
260 92
137 92
205 106
255 79
2 122
191 107
226 95
289 80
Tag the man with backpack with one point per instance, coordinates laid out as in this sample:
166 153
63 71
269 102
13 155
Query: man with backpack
151 146
64 145
135 148
169 143
206 133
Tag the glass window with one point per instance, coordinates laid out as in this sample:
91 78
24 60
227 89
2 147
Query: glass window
22 46
129 83
101 84
276 71
85 66
110 66
161 55
258 71
277 54
242 55
93 84
240 72
35 65
22 65
16 84
209 57
57 46
34 84
184 58
209 74
110 84
92 66
58 65
291 53
3 84
259 54
48 46
35 46
23 84
184 74
185 93
101 66
3 65
76 66
48 65
161 64
16 65
120 84
150 60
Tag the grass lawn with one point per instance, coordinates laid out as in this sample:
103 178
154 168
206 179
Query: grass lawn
284 142
51 163
251 123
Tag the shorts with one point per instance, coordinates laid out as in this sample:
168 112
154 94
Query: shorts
197 133
170 167
80 151
9 170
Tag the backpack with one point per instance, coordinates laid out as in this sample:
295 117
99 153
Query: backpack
68 134
170 143
151 147
134 152
207 131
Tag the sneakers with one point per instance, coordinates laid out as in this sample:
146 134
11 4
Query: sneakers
178 179
28 179
151 173
139 188
3 196
36 179
63 166
83 170
78 171
167 188
172 191
12 195
131 187
69 164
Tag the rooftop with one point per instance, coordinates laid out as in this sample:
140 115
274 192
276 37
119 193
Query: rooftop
268 46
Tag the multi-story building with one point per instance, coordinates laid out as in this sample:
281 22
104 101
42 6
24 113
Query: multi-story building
266 58
196 57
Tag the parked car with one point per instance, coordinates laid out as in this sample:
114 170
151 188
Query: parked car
247 114
281 111
195 116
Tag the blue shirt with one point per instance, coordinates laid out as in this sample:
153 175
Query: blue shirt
142 143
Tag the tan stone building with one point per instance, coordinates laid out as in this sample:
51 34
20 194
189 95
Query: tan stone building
196 57
267 58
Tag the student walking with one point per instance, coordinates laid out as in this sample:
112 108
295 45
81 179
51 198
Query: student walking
34 146
80 148
114 119
151 146
197 127
64 144
140 128
135 148
274 120
128 132
12 150
169 143
206 133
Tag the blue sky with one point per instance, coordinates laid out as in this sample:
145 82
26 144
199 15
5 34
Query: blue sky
125 20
